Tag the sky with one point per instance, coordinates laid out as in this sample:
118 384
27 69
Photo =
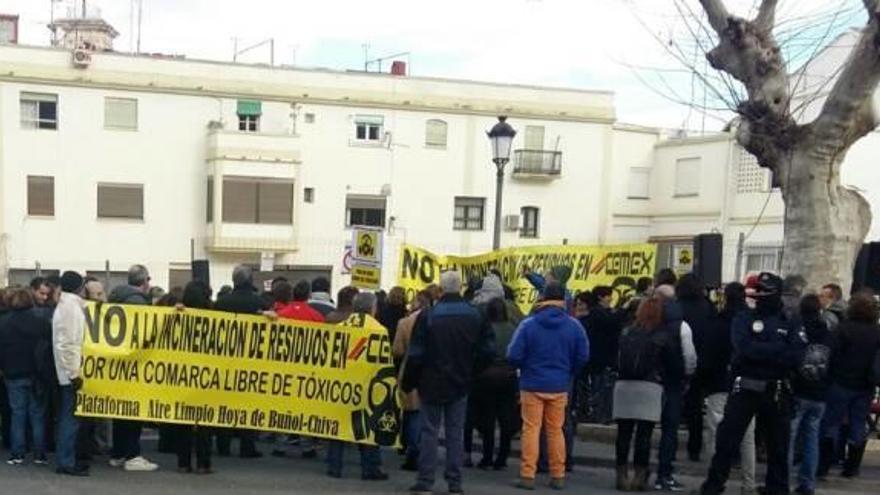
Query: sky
615 45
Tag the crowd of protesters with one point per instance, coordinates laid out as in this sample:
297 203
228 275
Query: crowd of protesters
760 367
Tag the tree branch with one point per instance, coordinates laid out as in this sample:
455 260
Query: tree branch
848 113
717 13
767 15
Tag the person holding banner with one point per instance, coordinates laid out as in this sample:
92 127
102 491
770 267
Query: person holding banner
196 295
559 274
371 460
127 434
244 300
68 330
451 343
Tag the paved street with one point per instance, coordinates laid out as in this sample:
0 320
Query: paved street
296 476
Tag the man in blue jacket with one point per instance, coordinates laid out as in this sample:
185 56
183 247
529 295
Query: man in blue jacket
549 348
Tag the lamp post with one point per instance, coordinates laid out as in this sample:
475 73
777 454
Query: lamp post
501 138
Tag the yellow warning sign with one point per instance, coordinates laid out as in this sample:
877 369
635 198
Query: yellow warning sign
367 245
366 277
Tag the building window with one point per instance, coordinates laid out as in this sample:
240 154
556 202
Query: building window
121 114
763 259
751 177
365 210
639 186
529 222
309 195
257 201
469 213
41 196
209 201
435 133
687 177
368 128
121 201
39 111
249 112
534 139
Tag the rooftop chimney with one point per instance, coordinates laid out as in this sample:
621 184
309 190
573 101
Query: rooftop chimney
398 68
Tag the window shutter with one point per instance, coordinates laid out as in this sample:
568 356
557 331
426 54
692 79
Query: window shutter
276 203
121 201
239 201
41 195
534 137
209 201
435 133
50 98
369 119
121 113
687 177
250 107
639 183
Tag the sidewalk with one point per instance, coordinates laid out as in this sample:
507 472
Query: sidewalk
595 448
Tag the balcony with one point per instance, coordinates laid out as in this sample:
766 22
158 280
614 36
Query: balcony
249 238
253 147
537 164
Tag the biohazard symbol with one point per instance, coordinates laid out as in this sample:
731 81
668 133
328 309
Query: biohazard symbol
365 247
684 257
387 423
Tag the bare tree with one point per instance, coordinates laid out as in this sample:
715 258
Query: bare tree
825 223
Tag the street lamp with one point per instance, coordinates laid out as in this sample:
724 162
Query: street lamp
501 138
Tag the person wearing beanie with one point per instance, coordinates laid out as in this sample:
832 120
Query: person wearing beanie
68 329
549 348
558 274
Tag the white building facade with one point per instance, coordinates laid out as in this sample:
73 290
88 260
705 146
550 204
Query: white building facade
159 160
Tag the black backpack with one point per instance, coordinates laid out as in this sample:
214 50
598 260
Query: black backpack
815 363
638 355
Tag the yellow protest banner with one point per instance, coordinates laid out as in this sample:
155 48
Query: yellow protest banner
367 242
366 277
619 267
218 369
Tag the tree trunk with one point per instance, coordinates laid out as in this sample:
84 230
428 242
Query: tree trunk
825 224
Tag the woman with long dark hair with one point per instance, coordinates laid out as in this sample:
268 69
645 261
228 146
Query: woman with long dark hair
638 392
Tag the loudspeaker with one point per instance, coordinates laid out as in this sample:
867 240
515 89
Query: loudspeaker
201 270
867 270
707 259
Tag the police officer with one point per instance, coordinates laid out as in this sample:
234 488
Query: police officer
766 350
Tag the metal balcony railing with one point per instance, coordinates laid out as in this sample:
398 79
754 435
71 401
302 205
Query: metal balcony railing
537 162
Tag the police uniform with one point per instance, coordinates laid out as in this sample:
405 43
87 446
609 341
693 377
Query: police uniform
766 349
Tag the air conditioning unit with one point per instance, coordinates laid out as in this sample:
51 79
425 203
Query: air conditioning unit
215 125
511 223
82 58
385 190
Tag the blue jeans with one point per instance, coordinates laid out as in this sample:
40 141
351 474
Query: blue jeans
670 419
451 417
807 420
853 404
67 426
371 458
412 425
26 405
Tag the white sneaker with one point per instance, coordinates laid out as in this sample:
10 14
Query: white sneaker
116 463
140 464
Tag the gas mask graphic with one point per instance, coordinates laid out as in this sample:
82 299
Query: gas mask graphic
381 417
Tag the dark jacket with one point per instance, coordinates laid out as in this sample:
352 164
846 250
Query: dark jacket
241 300
817 333
549 348
603 327
672 369
765 348
126 294
857 343
20 334
700 316
714 360
451 343
390 317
